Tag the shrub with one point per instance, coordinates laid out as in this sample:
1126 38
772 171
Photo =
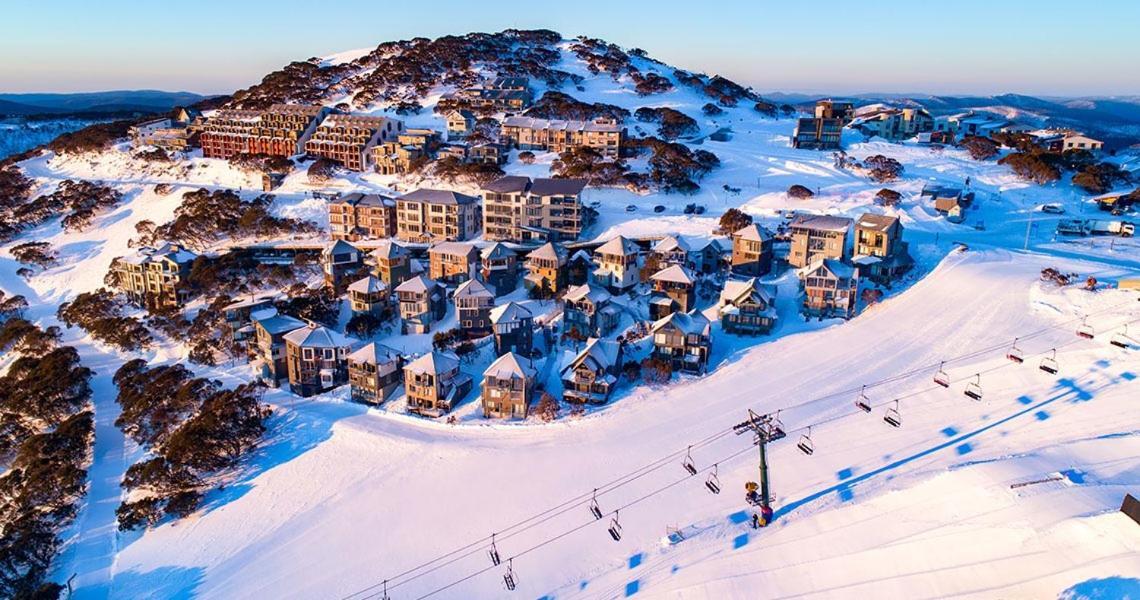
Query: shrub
582 162
1099 178
1035 167
322 170
711 110
205 217
92 138
800 192
526 157
765 108
39 254
980 148
734 220
558 105
261 164
887 197
673 123
883 169
100 313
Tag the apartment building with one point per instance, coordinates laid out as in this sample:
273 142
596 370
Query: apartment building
391 262
618 264
546 268
460 123
519 209
169 133
317 359
508 387
588 311
752 251
434 384
154 277
356 216
499 268
830 288
817 236
603 134
340 261
374 373
880 252
453 262
684 340
349 139
513 327
818 134
833 109
747 307
427 215
280 130
674 290
399 156
423 303
894 123
368 296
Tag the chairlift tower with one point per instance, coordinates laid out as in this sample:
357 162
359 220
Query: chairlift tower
765 430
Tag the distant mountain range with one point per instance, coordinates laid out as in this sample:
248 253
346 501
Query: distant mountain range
92 103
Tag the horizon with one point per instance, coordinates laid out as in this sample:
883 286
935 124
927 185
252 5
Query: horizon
976 53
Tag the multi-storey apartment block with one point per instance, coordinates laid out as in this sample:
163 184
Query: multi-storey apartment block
546 268
818 134
526 133
752 251
499 268
269 346
521 210
391 262
357 216
513 326
280 130
817 236
154 277
349 139
473 304
453 262
880 252
436 215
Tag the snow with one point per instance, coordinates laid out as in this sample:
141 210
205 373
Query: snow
342 496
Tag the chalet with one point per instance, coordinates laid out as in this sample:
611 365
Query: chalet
546 268
453 262
394 158
880 252
460 123
391 263
154 277
499 268
269 346
434 384
747 307
817 236
348 139
427 215
526 133
833 109
317 359
423 302
518 209
1076 141
674 289
355 216
831 288
237 329
618 267
683 339
894 123
579 268
752 250
715 253
508 387
818 134
340 261
473 304
513 325
368 296
488 153
671 250
374 373
592 375
589 311
280 130
948 202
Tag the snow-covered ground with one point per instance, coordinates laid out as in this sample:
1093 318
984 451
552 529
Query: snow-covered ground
342 497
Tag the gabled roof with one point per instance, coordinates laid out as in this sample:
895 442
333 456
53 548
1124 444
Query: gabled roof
599 353
675 274
496 251
593 293
369 285
511 365
549 251
453 249
340 247
582 255
473 288
510 313
619 245
279 323
557 187
835 267
373 353
821 222
753 233
389 250
876 222
508 185
689 323
318 336
433 362
736 292
417 284
670 243
174 253
431 196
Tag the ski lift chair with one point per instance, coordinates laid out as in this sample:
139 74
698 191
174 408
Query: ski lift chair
1015 354
805 444
509 578
594 508
687 462
1085 330
974 388
892 416
1049 363
713 482
942 378
776 428
493 552
615 528
863 403
1121 339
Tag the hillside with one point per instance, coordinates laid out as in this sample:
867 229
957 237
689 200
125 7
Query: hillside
1016 495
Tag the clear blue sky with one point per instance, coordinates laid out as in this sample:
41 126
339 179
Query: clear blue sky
963 46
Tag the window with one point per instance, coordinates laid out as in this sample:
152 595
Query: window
307 353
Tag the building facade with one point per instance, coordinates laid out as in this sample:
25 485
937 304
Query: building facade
831 289
374 373
453 262
684 340
619 265
354 217
423 303
752 251
519 209
349 139
155 277
526 133
747 307
508 387
280 130
317 359
434 384
592 376
437 215
817 236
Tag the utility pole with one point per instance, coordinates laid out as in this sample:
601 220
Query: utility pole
1028 227
765 429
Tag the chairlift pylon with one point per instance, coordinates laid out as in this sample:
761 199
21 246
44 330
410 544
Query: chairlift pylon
1015 354
1049 363
1085 330
974 388
1121 339
713 482
863 402
805 444
687 462
509 579
892 417
493 552
615 527
942 378
594 508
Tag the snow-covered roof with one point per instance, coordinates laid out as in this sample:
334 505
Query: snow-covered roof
735 292
369 285
361 199
278 323
417 284
509 184
551 124
620 245
670 243
589 291
453 249
603 354
821 222
251 301
674 274
340 247
835 266
433 362
389 250
544 186
582 255
509 313
473 288
511 365
753 233
431 196
876 222
496 251
549 251
318 336
693 322
175 253
374 353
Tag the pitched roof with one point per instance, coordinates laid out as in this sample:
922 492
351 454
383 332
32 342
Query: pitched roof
318 336
670 243
603 354
340 246
532 123
496 251
374 353
673 273
472 288
876 222
279 323
688 323
433 362
836 267
619 245
389 249
557 187
508 185
589 291
821 222
549 251
511 365
736 291
431 196
453 249
369 285
419 284
753 233
510 313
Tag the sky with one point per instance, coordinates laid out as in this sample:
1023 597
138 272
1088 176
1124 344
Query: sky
1040 47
